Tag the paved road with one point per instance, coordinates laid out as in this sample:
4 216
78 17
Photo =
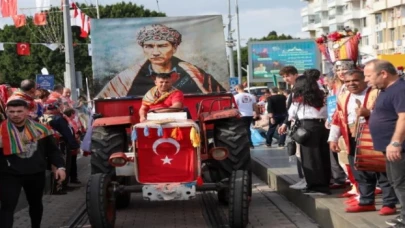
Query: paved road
268 209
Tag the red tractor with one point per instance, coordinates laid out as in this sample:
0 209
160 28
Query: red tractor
203 147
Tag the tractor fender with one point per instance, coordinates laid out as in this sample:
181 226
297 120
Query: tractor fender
113 121
220 114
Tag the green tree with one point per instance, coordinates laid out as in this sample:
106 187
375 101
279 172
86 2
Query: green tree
244 50
14 68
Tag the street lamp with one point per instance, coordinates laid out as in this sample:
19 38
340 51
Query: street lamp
238 42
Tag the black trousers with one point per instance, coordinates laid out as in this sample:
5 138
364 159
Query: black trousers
338 174
396 176
367 182
247 120
315 156
10 189
73 168
272 129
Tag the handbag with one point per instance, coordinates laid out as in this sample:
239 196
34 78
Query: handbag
291 148
298 133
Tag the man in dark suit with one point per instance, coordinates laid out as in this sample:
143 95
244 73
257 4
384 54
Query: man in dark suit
277 112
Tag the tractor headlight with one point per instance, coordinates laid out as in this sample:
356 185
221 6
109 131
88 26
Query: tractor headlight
118 159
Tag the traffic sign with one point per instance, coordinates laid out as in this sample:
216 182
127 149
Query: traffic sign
45 81
232 83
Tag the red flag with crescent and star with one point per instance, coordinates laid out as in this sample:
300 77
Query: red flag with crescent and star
162 159
23 49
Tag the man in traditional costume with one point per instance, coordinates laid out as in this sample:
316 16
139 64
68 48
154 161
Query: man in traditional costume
344 124
159 44
163 97
26 148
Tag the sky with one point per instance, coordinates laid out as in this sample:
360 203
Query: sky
256 17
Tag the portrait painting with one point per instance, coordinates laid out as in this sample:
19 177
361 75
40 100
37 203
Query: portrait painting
128 53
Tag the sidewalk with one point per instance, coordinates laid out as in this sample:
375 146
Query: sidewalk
272 166
59 208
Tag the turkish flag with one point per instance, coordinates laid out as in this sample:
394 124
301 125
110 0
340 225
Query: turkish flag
8 8
40 19
23 49
165 160
19 20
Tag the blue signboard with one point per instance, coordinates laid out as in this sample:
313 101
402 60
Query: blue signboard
266 58
232 83
45 81
331 103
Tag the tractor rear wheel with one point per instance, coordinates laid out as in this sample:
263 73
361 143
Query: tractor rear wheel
231 134
100 201
239 199
104 142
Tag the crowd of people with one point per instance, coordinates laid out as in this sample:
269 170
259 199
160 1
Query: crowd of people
329 139
39 130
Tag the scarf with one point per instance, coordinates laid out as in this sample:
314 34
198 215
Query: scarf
153 96
11 137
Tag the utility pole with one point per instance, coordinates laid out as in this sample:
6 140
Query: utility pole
230 43
70 74
238 43
98 10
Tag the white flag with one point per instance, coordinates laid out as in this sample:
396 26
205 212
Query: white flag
43 5
1 46
53 47
90 49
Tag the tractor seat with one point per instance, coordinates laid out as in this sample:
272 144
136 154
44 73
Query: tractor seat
186 110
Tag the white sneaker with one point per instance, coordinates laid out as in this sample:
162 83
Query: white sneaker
302 184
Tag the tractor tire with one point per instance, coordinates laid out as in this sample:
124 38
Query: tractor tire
231 134
100 202
239 199
104 142
122 200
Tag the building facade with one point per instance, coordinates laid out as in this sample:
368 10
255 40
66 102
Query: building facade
380 22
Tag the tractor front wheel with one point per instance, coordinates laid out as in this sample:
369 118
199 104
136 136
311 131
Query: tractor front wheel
239 199
100 201
104 142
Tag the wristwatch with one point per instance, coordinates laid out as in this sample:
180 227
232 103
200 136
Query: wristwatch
395 144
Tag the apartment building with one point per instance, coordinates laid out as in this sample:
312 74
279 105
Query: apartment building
380 22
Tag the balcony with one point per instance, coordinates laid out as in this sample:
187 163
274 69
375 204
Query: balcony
308 27
352 15
322 24
332 3
304 11
380 26
393 3
366 31
380 5
319 7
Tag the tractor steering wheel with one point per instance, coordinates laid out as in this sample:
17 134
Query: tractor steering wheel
169 110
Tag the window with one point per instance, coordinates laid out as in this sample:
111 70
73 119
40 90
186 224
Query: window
364 22
378 18
392 34
379 37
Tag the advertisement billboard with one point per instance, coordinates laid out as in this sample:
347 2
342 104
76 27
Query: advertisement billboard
266 58
128 53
